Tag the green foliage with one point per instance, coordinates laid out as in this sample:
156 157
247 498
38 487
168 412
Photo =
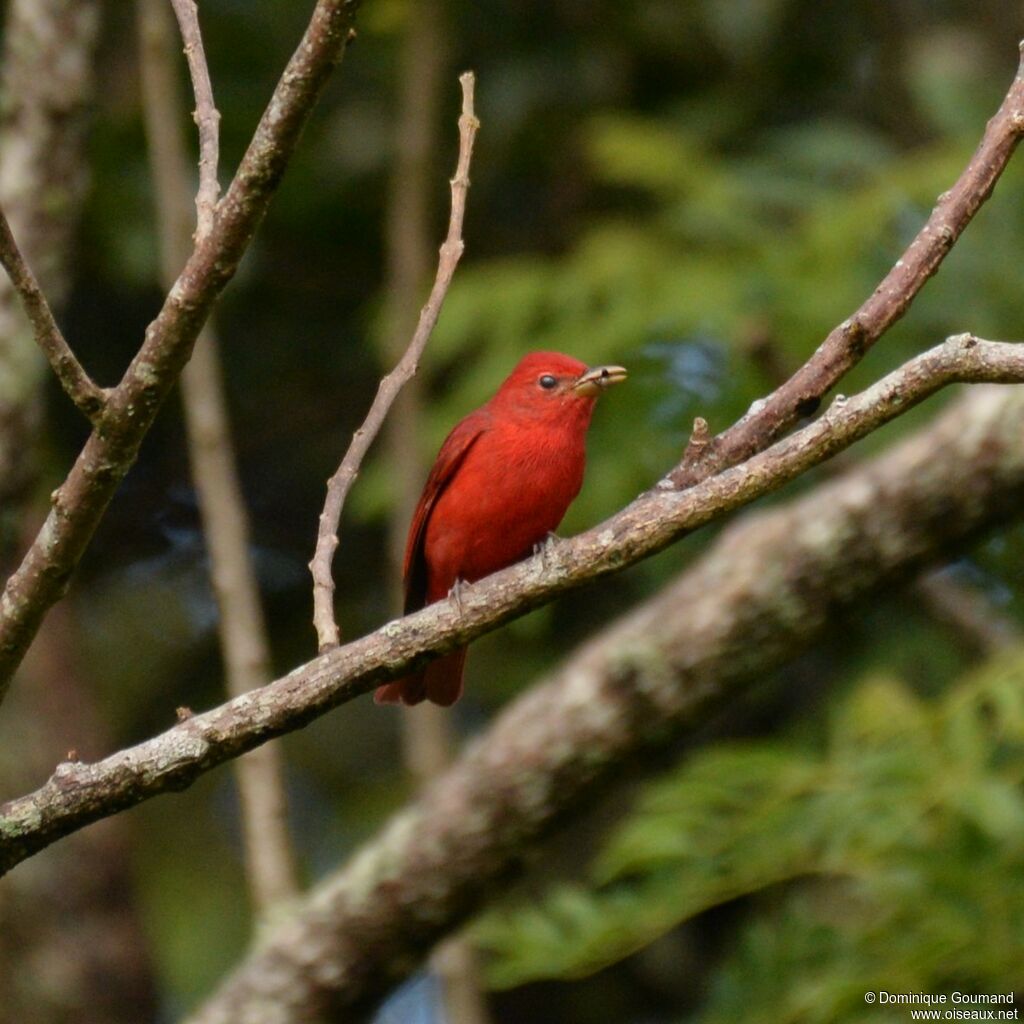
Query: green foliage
886 857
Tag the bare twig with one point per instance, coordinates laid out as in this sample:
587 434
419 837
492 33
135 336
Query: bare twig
80 388
80 502
763 592
206 115
846 345
339 485
80 793
269 858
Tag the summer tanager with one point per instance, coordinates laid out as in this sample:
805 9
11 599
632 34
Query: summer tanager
500 484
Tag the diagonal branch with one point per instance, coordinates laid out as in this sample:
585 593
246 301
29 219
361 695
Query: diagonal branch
80 502
206 116
846 345
340 484
79 386
79 793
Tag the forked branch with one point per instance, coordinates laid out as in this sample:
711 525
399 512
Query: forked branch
760 595
79 386
80 502
270 862
847 344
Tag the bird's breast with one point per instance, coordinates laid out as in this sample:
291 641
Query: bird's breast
511 491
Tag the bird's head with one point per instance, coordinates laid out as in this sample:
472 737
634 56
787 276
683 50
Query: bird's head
552 384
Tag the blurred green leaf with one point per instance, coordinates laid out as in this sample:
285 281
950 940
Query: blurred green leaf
896 848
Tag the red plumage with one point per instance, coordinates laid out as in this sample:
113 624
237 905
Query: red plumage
501 483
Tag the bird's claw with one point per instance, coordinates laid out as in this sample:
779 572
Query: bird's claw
543 547
455 595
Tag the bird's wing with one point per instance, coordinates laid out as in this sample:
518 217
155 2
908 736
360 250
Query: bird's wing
454 450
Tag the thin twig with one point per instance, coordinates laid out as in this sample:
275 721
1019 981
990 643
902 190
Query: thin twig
339 485
269 857
79 386
206 115
80 793
845 346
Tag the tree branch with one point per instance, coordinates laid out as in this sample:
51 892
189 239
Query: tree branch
340 484
846 345
766 588
86 395
78 793
79 504
206 116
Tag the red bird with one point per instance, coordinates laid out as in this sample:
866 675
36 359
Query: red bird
501 483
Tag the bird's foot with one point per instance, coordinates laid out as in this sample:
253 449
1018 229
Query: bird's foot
455 595
543 548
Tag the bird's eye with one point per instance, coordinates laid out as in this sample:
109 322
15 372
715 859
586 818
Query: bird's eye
547 382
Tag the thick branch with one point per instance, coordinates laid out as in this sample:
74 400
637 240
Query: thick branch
340 484
79 504
767 588
79 793
206 116
70 372
846 345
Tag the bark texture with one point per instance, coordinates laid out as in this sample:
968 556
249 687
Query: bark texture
768 586
43 121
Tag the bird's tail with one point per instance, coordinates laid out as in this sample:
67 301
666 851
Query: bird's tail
439 682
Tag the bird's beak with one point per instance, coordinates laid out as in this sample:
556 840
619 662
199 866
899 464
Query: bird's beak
594 380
